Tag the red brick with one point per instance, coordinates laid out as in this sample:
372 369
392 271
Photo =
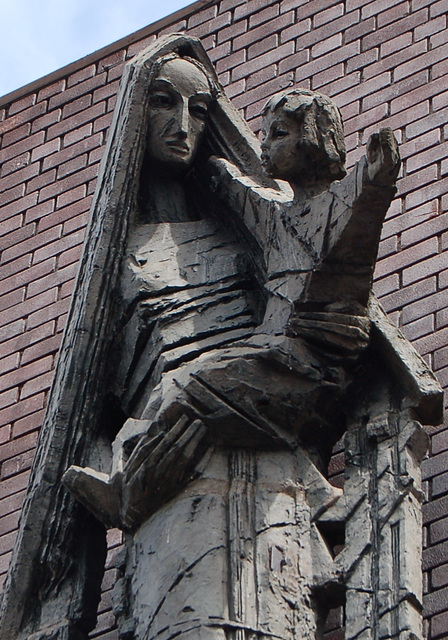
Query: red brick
263 92
13 298
86 86
50 279
61 186
211 26
36 385
29 423
398 90
25 373
39 211
69 153
436 602
397 60
437 8
439 443
62 320
393 14
439 101
76 121
429 228
28 340
18 133
73 224
51 90
247 38
6 542
18 411
20 176
416 145
441 360
417 179
108 90
439 577
61 215
58 246
24 145
70 196
15 164
47 313
10 505
117 57
13 485
427 193
421 308
395 44
17 446
14 239
363 60
11 329
365 119
11 224
442 318
8 398
429 28
46 121
12 194
102 124
70 256
386 285
43 180
46 149
433 342
422 61
41 349
24 308
443 279
26 116
259 48
80 162
263 16
439 625
22 103
279 55
327 45
79 104
324 78
377 37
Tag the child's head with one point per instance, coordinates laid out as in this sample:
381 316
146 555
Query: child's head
304 138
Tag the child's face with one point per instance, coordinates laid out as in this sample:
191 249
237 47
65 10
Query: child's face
281 155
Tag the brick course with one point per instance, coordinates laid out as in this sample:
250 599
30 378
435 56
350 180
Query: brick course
385 64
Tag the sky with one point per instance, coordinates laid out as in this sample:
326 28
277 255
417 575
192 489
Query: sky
40 36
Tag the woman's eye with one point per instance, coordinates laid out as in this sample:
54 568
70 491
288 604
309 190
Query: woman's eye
163 100
199 110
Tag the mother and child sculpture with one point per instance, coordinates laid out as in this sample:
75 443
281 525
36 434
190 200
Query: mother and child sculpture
224 324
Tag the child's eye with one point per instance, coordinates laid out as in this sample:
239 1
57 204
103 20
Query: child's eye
280 133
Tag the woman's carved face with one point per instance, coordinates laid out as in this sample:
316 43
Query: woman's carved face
180 95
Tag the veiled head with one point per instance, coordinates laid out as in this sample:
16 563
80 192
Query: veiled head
180 95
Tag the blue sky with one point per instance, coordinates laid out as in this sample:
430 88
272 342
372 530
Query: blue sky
40 36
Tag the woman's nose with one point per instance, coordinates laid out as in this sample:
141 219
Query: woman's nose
183 118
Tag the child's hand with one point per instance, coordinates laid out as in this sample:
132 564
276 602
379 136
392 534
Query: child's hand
383 158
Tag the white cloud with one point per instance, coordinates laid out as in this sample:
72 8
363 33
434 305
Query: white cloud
40 36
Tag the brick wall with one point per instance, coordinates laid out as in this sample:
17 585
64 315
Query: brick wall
383 61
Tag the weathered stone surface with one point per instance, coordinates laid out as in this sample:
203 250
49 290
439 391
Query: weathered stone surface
222 338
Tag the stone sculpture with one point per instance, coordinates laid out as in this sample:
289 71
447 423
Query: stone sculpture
224 337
